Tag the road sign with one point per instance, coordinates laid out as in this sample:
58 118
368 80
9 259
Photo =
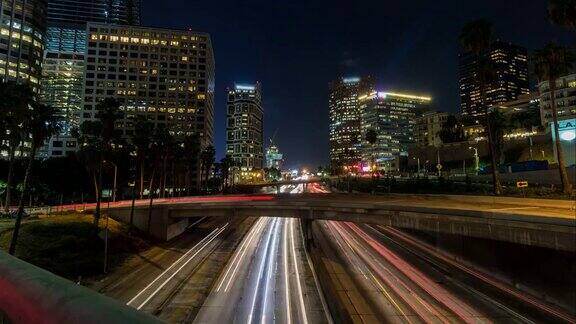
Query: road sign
521 184
439 166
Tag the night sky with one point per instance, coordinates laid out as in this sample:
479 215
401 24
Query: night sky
294 48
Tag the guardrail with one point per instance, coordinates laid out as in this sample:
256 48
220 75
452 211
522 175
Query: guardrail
29 294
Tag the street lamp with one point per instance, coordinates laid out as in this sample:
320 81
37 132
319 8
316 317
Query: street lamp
418 164
115 176
476 159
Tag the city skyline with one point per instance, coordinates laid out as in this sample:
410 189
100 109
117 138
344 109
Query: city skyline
295 66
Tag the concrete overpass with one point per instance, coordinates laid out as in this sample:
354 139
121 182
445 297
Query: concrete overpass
535 222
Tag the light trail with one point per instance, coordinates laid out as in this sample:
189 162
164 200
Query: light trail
295 262
239 255
271 265
204 242
286 274
493 282
259 276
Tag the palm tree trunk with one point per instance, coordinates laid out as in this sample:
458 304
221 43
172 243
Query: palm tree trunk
98 194
20 212
11 159
151 196
496 186
142 178
566 185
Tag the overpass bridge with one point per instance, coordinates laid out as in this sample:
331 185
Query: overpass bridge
534 222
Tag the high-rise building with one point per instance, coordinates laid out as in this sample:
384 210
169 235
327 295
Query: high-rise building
393 117
273 157
565 99
510 64
22 41
428 127
345 115
163 75
245 129
63 68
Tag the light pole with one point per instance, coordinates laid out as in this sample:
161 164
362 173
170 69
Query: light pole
115 176
476 159
418 161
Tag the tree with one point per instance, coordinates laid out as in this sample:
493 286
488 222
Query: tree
225 165
42 124
96 140
451 131
552 62
192 149
562 13
207 158
143 131
14 113
476 37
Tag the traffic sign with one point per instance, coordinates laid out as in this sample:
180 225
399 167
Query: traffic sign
439 166
521 184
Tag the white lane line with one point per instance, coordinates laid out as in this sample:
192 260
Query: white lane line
182 266
196 222
300 294
171 266
286 272
513 208
259 276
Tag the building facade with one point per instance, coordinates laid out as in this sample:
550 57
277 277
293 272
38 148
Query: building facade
245 131
63 68
393 117
428 127
345 119
22 41
510 63
165 76
565 99
273 157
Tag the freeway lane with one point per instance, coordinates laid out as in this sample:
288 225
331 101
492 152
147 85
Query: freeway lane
267 279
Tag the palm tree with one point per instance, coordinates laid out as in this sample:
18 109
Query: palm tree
563 13
192 149
476 37
42 124
207 158
451 131
14 109
552 62
225 165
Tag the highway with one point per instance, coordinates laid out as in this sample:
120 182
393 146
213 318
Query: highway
388 275
267 279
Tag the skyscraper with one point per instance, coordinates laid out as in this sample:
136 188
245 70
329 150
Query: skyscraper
393 117
245 129
163 75
511 78
63 69
22 41
345 115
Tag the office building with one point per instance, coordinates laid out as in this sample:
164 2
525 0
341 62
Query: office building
22 41
245 131
565 99
345 119
510 63
163 75
392 116
63 68
273 157
428 127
